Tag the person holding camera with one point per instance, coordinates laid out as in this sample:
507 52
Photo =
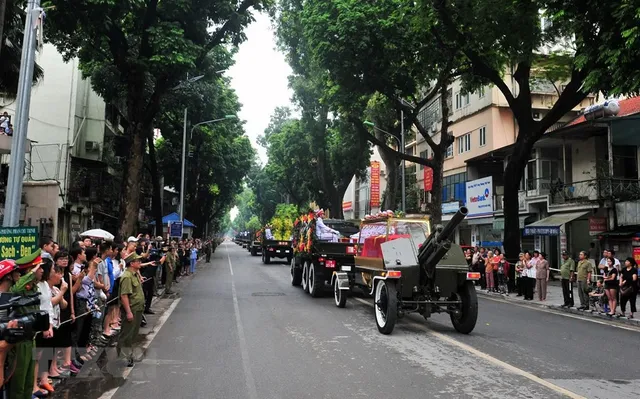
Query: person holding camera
132 303
21 384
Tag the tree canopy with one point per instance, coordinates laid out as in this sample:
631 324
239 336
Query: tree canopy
135 52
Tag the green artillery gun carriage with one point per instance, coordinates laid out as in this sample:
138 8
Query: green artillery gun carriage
408 268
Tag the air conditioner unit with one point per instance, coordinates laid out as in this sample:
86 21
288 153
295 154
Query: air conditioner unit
536 116
92 146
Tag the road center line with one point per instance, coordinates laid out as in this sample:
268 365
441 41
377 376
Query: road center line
489 358
249 381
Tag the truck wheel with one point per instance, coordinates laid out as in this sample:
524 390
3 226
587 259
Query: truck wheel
267 259
253 252
339 296
316 284
296 275
386 305
465 321
305 277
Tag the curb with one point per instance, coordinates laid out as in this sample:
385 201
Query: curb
558 308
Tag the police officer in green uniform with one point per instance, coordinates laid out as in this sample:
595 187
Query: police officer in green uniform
21 383
170 267
132 303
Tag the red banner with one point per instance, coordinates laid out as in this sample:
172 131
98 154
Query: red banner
428 178
375 185
347 206
636 254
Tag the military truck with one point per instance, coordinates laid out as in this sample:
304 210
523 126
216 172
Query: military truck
255 247
407 268
315 260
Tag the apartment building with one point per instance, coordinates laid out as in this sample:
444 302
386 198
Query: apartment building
482 125
76 150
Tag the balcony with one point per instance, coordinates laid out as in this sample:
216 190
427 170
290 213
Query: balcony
6 141
593 190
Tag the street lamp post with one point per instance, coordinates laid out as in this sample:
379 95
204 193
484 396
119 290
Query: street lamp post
401 145
184 152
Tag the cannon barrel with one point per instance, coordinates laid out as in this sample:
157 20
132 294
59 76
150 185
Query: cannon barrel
438 243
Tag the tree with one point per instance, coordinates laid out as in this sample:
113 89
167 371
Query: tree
245 201
220 155
369 49
266 191
137 51
253 224
491 36
11 34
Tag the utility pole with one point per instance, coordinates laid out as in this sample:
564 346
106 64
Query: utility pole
182 169
23 103
404 194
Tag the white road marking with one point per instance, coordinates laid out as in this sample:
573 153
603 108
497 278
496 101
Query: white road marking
163 319
246 365
559 313
489 358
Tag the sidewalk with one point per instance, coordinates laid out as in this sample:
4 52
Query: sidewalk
555 300
105 373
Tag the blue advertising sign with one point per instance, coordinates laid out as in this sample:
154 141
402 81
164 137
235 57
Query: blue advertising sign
175 229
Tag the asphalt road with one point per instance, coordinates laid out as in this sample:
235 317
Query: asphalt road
242 331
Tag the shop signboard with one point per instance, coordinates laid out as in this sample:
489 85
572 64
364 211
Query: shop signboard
17 242
450 207
636 254
347 206
597 225
479 199
375 185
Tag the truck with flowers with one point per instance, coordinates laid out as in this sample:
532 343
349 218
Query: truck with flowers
315 260
276 237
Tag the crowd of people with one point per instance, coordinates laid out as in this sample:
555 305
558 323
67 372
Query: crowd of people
600 287
96 294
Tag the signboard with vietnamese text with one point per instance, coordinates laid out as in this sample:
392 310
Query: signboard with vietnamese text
347 206
428 178
17 242
479 197
375 185
597 225
636 254
450 207
175 229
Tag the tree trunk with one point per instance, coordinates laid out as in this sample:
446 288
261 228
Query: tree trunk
133 180
335 205
435 211
391 165
513 174
156 201
438 157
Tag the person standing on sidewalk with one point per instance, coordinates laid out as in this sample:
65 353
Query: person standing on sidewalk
542 275
628 286
170 267
567 273
132 302
584 270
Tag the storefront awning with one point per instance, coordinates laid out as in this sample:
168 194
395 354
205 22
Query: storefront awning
550 226
498 223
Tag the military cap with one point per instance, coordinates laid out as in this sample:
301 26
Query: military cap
29 261
133 257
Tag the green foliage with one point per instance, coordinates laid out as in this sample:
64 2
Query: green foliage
11 48
245 201
253 224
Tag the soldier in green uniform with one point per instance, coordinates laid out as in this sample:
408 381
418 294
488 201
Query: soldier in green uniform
21 383
132 302
170 265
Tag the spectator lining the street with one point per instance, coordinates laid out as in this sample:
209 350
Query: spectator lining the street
44 339
62 335
488 272
628 286
567 274
542 276
531 276
598 296
611 285
584 270
520 274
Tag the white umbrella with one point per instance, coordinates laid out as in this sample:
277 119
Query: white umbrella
98 233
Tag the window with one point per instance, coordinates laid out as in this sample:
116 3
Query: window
464 143
449 153
423 154
483 136
467 99
458 101
454 187
481 92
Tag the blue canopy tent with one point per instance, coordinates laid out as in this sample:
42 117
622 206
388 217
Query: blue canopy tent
187 227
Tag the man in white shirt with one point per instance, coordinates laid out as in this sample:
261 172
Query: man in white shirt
323 232
267 233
